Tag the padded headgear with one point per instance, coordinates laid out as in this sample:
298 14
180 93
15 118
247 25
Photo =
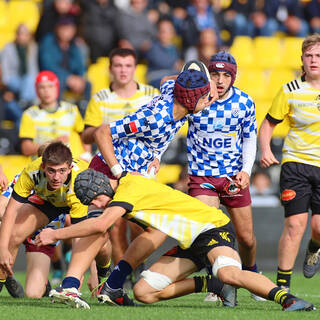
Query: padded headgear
48 76
224 61
190 86
91 183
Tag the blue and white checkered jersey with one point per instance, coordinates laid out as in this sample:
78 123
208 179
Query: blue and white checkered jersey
216 134
144 135
54 224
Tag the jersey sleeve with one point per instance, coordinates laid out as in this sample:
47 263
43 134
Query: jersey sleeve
93 116
139 123
279 107
250 122
27 128
23 186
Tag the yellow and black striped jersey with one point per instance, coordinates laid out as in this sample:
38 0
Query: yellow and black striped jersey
41 125
33 180
298 101
175 213
106 106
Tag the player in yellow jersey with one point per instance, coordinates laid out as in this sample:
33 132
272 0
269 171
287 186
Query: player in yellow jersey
51 120
299 100
123 96
43 191
205 236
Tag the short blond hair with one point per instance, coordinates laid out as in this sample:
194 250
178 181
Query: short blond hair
310 41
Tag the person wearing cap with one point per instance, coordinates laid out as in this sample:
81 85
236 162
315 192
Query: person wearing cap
52 119
204 234
134 144
221 146
43 191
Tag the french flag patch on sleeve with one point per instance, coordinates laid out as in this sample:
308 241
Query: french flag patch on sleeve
131 127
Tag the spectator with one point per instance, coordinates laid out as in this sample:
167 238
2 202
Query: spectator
162 55
205 49
134 27
60 54
99 27
19 64
312 13
262 193
51 12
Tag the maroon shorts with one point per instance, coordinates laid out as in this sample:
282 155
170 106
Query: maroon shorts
48 250
98 165
223 188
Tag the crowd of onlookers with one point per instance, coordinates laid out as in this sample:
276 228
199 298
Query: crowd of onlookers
72 34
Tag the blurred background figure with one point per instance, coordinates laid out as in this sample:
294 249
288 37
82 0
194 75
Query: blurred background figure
19 64
263 193
134 27
59 53
99 29
205 49
162 55
312 14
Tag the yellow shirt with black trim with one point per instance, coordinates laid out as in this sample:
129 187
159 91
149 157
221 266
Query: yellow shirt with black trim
33 179
106 106
41 125
298 101
173 212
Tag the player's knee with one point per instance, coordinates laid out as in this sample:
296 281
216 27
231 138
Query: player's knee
33 292
226 269
247 240
141 293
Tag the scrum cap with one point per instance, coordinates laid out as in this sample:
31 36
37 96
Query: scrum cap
91 183
48 76
224 61
190 86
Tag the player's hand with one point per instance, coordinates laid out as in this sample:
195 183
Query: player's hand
3 182
45 237
213 93
267 159
154 167
242 180
6 261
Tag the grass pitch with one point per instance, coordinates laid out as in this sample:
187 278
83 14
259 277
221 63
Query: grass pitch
189 307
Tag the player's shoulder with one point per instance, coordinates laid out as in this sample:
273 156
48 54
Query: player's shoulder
67 106
148 90
79 165
294 85
102 95
242 96
32 111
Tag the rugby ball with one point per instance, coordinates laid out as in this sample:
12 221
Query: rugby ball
196 65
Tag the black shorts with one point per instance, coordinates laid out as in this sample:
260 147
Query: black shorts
205 242
300 188
46 207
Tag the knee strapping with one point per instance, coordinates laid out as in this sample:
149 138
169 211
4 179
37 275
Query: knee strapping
223 261
156 280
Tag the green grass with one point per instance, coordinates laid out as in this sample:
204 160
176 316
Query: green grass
189 307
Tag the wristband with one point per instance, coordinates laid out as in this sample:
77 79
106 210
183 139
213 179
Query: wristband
116 170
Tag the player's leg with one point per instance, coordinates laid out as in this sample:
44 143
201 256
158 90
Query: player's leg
226 266
111 292
163 280
38 267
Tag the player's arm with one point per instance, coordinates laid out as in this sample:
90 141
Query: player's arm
87 135
103 139
3 180
28 147
267 158
82 229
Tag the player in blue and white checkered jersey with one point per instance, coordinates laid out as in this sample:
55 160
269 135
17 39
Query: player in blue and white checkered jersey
38 258
136 141
221 146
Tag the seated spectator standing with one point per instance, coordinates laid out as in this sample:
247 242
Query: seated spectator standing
59 53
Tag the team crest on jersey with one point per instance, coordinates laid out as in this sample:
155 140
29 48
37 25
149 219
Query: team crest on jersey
235 111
